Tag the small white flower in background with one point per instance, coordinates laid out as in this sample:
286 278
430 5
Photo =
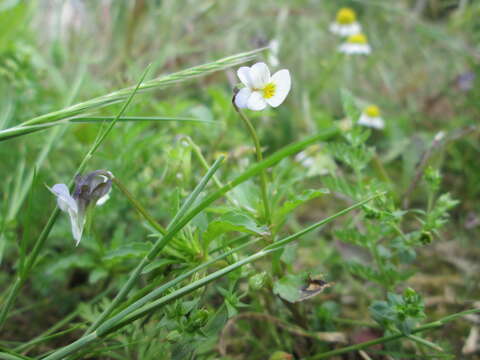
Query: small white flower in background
90 190
261 89
274 47
346 23
356 44
316 161
371 118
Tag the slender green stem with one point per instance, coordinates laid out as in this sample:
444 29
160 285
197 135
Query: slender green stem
384 339
263 173
310 228
136 204
73 347
13 356
424 342
198 153
377 162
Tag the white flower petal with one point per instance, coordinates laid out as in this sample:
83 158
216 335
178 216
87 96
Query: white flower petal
345 30
103 199
256 101
373 122
64 201
348 48
242 97
244 75
260 75
282 82
77 222
378 123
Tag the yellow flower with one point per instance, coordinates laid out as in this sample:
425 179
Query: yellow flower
356 44
346 23
371 118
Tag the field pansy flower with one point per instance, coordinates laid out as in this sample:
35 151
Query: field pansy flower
356 44
371 118
90 190
261 89
346 23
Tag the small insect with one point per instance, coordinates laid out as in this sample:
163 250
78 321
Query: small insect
312 288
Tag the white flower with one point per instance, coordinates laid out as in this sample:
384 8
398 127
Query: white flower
261 89
356 44
273 54
371 118
90 190
345 23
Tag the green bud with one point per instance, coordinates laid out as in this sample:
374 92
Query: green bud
200 318
433 178
371 213
426 237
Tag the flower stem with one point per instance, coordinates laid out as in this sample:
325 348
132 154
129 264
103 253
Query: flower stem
263 174
141 210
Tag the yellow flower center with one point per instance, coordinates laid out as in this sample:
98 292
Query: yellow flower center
346 16
269 90
372 111
357 39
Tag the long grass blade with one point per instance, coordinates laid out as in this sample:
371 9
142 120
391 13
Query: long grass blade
159 82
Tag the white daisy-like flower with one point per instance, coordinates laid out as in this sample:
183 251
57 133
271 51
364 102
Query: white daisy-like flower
90 190
346 23
356 44
371 118
261 89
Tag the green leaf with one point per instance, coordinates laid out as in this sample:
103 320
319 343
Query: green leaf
132 250
289 205
288 287
234 221
97 274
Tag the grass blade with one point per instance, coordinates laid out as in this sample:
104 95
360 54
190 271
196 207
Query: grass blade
156 83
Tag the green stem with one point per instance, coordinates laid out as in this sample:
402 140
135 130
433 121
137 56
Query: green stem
263 173
377 162
73 347
424 342
198 153
384 339
141 210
